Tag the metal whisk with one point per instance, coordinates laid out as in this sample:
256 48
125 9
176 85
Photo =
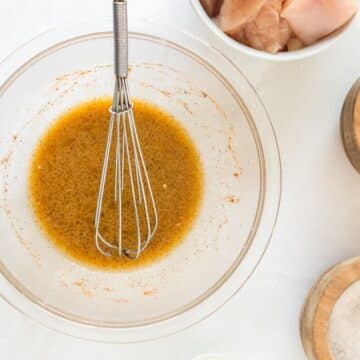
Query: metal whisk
128 155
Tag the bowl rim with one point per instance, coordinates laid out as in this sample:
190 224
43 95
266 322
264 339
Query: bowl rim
68 328
300 54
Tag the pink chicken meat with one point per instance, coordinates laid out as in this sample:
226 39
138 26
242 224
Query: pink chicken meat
267 31
235 13
212 7
311 20
257 24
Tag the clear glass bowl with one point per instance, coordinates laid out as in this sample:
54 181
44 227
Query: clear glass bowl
233 133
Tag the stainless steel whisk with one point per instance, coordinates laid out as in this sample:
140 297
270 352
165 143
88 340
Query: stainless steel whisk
128 154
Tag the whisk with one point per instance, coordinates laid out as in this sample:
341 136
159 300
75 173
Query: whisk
129 158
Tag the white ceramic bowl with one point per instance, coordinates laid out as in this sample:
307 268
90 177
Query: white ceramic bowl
221 111
281 56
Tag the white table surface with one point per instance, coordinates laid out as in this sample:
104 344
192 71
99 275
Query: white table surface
318 223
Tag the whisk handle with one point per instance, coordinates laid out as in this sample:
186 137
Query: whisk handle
120 22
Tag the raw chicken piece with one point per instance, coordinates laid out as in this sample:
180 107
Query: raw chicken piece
285 33
266 31
311 20
212 7
235 13
294 44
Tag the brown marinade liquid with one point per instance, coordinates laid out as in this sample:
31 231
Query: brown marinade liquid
64 183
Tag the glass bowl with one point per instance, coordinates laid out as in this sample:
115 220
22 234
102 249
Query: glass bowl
227 121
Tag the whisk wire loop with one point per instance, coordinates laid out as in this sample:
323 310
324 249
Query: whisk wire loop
130 166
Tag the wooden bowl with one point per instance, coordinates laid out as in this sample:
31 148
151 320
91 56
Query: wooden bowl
350 142
317 310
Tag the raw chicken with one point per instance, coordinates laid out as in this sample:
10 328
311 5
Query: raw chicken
311 20
212 7
266 30
235 13
285 33
294 44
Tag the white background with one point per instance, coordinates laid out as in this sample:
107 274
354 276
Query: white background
318 224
